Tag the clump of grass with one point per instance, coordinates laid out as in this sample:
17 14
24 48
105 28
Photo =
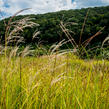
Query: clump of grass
80 46
73 83
10 50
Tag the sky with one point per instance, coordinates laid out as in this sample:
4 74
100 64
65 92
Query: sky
9 7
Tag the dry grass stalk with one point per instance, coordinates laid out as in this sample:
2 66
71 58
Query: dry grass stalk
83 27
106 39
26 51
8 27
36 33
13 34
18 27
13 52
1 49
81 44
13 29
87 41
68 35
56 47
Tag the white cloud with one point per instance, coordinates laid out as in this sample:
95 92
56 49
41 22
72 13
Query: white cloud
43 6
91 3
38 6
105 1
1 3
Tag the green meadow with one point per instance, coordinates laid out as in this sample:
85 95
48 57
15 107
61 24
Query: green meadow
54 82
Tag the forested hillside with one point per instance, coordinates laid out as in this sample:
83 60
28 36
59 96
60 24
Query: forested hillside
50 31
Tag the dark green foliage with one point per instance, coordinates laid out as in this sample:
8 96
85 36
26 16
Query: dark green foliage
51 32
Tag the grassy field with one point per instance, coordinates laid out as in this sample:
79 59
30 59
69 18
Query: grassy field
54 82
57 80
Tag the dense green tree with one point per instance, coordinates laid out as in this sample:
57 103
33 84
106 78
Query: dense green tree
51 32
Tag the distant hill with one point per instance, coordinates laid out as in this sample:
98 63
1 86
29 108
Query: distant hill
51 32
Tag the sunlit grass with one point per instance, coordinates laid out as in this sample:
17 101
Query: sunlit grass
53 82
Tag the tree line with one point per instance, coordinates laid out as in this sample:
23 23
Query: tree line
50 31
